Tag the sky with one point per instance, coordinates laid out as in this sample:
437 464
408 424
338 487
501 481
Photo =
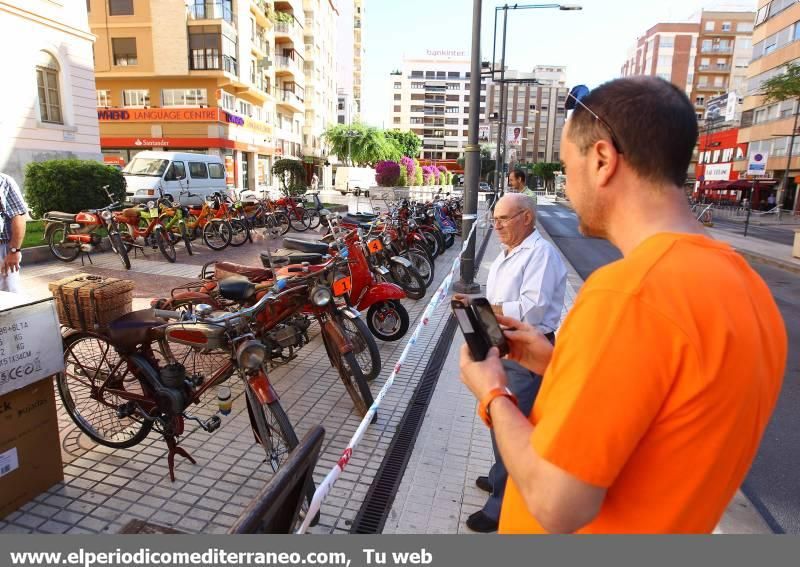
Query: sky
592 43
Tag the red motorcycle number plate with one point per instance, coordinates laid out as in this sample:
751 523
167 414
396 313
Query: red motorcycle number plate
375 246
342 286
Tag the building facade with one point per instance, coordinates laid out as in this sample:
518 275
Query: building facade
666 50
535 115
50 111
430 96
359 16
766 127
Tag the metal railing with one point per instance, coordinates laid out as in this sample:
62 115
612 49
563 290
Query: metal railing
211 11
289 96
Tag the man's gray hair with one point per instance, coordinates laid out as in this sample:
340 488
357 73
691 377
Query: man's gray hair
524 202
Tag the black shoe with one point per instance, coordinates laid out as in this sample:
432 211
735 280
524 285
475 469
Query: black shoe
481 523
483 483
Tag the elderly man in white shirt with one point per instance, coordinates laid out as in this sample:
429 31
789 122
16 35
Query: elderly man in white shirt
528 282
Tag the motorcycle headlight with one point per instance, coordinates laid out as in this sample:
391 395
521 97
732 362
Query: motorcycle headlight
176 204
106 215
251 355
412 224
321 296
151 204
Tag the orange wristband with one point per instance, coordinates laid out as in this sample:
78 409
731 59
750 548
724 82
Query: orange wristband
483 407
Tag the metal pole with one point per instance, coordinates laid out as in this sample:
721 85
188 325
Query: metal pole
472 160
785 184
499 177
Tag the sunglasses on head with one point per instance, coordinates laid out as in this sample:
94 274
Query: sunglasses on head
575 99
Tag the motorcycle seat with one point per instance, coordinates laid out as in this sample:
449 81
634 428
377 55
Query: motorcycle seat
224 270
312 246
59 216
282 257
237 288
130 330
132 213
358 219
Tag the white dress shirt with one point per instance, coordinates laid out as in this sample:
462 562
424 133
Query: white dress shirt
530 281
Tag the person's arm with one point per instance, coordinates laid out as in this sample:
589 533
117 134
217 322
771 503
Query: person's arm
15 209
542 281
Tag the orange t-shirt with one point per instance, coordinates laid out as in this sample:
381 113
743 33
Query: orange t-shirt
664 377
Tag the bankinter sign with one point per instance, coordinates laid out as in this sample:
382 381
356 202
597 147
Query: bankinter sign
162 114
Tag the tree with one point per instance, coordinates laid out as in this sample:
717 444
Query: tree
292 174
487 161
778 89
71 185
408 142
547 171
361 145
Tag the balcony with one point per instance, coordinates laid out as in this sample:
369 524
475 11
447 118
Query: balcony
260 46
712 88
289 30
284 64
716 49
290 100
261 9
211 11
714 68
434 112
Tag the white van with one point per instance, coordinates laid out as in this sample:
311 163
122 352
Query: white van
149 175
354 179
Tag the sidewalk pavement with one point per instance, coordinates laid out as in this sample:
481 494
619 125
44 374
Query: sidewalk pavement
758 250
438 493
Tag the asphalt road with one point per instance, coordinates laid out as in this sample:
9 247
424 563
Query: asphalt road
772 234
773 484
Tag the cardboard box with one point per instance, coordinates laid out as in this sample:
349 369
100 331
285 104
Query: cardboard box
30 450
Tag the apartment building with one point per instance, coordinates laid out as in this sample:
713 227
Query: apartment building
359 15
724 50
767 127
666 50
49 113
535 114
430 96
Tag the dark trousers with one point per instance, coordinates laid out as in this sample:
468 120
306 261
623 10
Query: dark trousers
525 385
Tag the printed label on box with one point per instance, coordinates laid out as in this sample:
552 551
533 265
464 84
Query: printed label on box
9 461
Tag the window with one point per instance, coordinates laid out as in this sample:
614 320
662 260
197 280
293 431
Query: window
666 42
722 63
452 109
416 74
103 97
451 121
136 97
744 27
215 171
397 120
719 81
453 75
710 26
453 86
417 85
120 7
197 169
48 89
184 97
726 26
700 100
665 60
398 96
228 101
177 170
398 85
397 108
707 43
124 49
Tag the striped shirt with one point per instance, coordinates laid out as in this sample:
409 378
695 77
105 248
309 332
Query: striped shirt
11 205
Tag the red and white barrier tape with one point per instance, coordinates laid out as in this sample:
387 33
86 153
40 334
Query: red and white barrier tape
325 486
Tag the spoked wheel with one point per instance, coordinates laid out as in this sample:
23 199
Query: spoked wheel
166 245
449 240
239 232
274 432
422 264
90 362
187 241
61 248
314 219
388 320
409 279
350 373
300 219
281 222
217 234
365 349
432 244
119 249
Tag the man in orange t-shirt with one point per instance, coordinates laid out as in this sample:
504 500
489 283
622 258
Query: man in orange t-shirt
668 367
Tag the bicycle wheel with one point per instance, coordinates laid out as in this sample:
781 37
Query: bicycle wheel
217 234
89 360
409 279
365 348
282 222
300 219
187 241
431 244
166 245
119 249
239 232
60 248
314 219
350 373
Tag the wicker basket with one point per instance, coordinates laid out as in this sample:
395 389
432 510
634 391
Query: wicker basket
90 303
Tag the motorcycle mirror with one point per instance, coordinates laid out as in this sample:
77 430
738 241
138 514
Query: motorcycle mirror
203 310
